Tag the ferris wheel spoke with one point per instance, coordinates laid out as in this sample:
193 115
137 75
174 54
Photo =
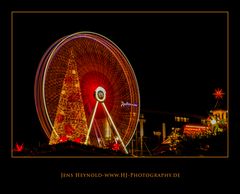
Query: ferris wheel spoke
101 139
55 132
91 122
114 127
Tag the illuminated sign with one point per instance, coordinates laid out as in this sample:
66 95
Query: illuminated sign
192 130
126 104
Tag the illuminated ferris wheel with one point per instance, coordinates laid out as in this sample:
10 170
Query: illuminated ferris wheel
86 91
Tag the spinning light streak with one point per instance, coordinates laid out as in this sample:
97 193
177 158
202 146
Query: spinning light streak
67 78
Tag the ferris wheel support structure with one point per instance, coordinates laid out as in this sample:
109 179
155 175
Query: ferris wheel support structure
100 95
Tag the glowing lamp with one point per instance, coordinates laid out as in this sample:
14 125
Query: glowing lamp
213 122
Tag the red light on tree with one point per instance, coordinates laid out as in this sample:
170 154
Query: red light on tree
63 139
80 139
77 140
218 93
60 118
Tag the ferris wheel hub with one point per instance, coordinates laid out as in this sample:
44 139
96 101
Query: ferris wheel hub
100 94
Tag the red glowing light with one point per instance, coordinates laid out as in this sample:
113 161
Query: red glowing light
63 139
89 84
116 147
60 118
77 140
19 147
80 139
218 93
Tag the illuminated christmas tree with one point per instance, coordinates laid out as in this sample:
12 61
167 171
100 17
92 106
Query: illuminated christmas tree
70 123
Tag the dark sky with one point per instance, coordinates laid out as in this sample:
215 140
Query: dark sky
178 59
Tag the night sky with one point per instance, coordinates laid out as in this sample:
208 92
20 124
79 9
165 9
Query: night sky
178 59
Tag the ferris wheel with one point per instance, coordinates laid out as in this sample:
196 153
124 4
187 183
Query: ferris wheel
86 91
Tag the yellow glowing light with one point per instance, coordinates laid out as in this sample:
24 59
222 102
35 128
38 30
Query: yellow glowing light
213 122
195 126
73 72
77 85
63 92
